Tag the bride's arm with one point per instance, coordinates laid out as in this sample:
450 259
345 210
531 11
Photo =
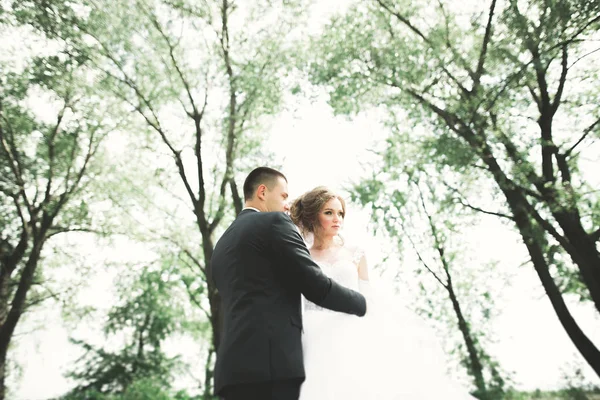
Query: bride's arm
363 276
363 269
364 286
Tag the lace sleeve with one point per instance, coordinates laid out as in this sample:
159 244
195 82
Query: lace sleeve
358 255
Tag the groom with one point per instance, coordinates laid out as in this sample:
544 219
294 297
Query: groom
260 267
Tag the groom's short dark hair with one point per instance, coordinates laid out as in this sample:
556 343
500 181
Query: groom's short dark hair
261 175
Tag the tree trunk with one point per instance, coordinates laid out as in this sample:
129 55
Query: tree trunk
583 253
529 232
16 308
2 374
208 375
475 364
213 296
214 299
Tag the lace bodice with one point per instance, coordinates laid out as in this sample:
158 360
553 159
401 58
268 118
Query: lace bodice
343 271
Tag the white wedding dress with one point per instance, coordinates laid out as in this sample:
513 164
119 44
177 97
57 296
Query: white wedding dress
388 354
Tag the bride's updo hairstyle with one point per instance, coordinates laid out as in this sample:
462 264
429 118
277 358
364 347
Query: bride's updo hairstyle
305 209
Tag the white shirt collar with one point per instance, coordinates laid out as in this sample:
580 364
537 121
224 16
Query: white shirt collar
251 208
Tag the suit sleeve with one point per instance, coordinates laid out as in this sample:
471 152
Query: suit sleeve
306 274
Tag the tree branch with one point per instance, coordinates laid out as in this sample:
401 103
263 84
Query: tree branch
237 201
462 200
562 81
153 124
586 132
486 40
232 120
421 259
14 163
442 65
51 150
435 239
497 214
90 152
195 300
180 74
583 56
56 230
547 226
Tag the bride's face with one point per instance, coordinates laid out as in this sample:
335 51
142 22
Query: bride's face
331 218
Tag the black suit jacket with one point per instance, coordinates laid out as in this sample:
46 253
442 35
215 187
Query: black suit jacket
260 267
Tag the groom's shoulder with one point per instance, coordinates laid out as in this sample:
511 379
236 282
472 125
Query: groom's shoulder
278 220
277 217
265 217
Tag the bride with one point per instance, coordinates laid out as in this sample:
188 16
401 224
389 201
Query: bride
390 353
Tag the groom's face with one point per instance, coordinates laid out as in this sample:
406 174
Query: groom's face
276 198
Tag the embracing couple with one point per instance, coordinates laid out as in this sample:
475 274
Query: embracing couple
294 324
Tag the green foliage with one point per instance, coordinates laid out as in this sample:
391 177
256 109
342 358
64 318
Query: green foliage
473 109
143 389
55 18
151 310
51 153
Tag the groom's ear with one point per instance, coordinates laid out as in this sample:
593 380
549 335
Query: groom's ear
261 191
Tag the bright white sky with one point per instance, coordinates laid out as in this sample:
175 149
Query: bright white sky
319 149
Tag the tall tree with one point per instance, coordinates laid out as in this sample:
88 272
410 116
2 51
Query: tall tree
512 88
47 159
445 284
201 77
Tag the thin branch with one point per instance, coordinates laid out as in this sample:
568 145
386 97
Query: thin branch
39 300
56 230
193 258
91 151
199 206
188 253
586 132
51 150
442 65
481 167
15 164
486 40
171 47
582 29
497 214
562 80
154 124
176 154
232 120
195 300
435 239
468 205
527 64
192 294
583 56
421 259
510 79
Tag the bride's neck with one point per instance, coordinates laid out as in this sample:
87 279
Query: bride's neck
323 243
